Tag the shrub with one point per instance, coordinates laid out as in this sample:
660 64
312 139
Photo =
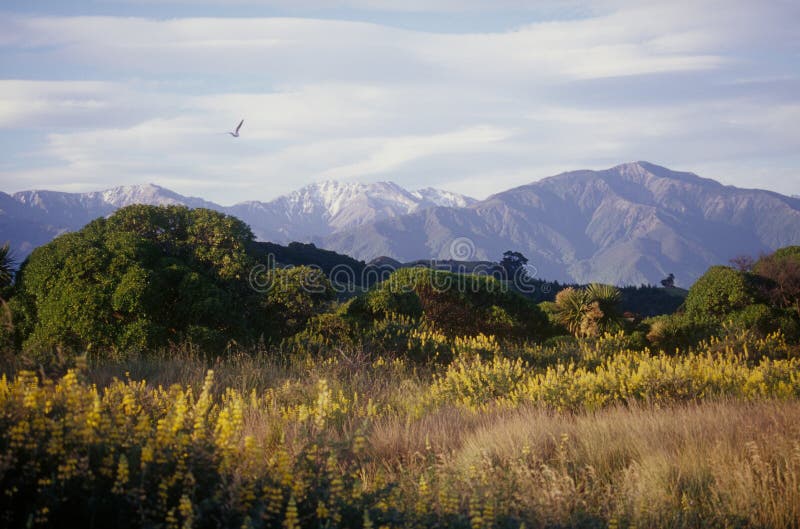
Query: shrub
782 268
671 332
455 304
589 311
296 295
720 291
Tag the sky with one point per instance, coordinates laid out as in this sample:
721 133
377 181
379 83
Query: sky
473 96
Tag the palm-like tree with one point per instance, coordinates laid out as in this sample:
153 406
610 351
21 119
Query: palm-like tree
6 265
570 309
606 300
589 311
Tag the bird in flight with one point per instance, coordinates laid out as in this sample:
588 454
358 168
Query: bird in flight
235 133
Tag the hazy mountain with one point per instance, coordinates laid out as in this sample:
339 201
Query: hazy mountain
321 209
633 223
31 218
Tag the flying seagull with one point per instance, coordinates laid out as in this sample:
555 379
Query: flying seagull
235 133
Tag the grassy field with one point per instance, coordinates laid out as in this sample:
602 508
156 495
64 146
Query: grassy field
710 438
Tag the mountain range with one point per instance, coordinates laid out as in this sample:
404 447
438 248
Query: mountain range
31 218
634 223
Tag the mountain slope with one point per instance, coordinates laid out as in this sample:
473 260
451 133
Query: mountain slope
630 224
31 218
633 223
320 209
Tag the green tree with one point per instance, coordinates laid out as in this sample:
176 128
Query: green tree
570 308
143 277
512 262
295 296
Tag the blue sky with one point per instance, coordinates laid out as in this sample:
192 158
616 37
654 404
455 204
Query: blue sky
474 96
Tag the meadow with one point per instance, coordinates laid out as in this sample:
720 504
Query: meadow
601 437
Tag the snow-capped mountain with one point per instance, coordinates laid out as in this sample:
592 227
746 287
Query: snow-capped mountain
31 218
320 209
633 223
439 197
150 194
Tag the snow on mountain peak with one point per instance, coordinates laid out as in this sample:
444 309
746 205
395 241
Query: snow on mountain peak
440 197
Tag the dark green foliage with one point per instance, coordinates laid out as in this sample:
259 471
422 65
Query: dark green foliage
674 331
762 320
455 304
338 267
6 266
647 300
324 332
512 263
141 278
296 295
782 270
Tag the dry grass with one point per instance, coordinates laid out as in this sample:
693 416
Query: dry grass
713 463
710 464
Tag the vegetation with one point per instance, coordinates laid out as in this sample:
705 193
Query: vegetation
162 369
6 266
704 440
589 311
338 267
782 270
455 304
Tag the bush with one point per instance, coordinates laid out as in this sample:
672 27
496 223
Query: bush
454 304
296 295
782 269
718 292
675 331
323 332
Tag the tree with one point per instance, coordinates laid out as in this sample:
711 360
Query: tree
512 262
589 311
782 268
743 263
6 265
604 314
669 282
570 308
143 277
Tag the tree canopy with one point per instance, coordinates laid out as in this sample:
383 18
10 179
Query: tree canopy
455 304
144 276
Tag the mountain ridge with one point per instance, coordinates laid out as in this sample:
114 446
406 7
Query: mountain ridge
33 217
629 224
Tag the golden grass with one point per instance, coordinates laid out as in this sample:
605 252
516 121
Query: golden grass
716 463
353 441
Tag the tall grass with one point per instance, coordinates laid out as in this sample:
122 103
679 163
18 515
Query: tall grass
352 440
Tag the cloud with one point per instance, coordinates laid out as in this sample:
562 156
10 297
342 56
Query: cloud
26 104
321 98
635 42
414 6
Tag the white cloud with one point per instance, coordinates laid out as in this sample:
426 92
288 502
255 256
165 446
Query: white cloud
337 98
